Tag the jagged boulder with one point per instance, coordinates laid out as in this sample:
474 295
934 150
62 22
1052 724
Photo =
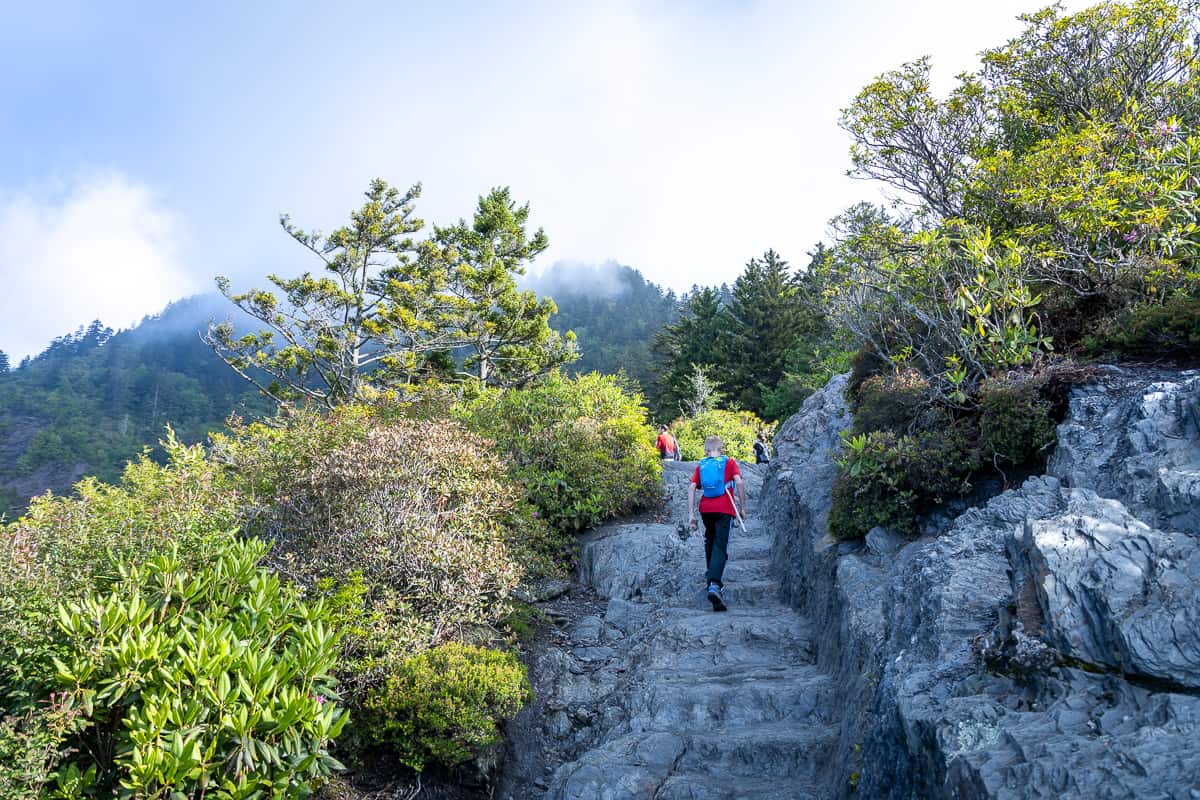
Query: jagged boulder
1114 592
1137 441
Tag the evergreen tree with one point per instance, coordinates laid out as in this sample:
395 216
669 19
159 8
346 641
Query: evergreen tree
766 322
379 308
699 339
505 330
4 365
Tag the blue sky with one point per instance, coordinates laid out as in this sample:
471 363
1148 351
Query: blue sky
149 148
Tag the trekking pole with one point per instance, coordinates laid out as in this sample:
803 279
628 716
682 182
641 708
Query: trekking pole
738 514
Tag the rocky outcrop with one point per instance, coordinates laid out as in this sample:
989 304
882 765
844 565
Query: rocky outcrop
1135 439
1043 645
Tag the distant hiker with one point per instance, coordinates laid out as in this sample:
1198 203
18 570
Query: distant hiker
717 476
762 450
668 447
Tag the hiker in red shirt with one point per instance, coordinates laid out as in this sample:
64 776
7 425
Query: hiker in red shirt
668 448
717 478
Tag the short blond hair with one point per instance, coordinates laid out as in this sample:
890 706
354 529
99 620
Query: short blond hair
713 445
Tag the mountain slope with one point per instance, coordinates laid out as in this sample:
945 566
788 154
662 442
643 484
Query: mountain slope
94 399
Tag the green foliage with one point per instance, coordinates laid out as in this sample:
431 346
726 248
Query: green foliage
581 447
614 312
1151 331
203 681
889 480
389 312
763 345
950 302
698 339
93 400
894 402
64 544
421 509
737 429
808 367
1049 191
505 330
1016 421
31 745
445 705
908 451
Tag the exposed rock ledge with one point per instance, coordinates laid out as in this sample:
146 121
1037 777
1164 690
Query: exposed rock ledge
1046 644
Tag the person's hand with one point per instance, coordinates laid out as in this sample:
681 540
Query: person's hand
692 523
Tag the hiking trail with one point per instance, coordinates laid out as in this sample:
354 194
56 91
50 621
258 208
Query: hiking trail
653 695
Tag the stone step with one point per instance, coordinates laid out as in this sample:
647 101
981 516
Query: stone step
666 701
703 787
788 753
678 632
781 750
748 593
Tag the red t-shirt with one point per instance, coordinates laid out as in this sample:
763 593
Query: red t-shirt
722 504
666 443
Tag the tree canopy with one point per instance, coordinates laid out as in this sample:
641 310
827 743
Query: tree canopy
389 312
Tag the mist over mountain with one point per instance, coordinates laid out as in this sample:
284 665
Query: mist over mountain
614 312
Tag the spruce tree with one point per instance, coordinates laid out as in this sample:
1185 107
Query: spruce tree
700 338
765 322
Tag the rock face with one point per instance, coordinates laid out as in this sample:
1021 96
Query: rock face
1043 645
1135 441
657 696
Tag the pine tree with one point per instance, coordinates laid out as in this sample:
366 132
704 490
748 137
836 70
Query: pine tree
505 330
4 365
699 339
766 315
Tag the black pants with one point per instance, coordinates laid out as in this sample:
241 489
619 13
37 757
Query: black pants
716 544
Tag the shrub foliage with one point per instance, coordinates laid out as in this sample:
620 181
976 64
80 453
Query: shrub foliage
581 447
445 705
737 429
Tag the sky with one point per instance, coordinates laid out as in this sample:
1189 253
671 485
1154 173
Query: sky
148 147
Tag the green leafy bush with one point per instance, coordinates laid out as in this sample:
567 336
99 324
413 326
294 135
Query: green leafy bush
62 544
900 402
31 744
1151 330
445 705
197 681
737 429
582 447
889 480
1016 421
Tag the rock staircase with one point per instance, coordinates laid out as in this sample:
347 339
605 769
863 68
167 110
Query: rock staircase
660 698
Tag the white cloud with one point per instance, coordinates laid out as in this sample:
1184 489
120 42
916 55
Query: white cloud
96 247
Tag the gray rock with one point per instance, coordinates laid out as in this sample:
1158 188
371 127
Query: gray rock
884 542
1033 647
1113 591
1136 441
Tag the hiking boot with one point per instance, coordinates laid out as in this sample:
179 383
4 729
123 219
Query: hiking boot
714 597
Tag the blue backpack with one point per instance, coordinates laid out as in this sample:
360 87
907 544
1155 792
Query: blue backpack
712 476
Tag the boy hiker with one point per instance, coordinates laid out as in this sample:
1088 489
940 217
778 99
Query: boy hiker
716 476
668 448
